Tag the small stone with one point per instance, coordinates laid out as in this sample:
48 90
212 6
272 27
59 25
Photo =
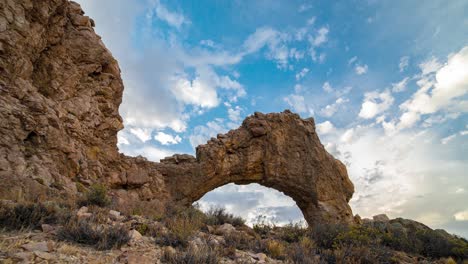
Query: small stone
43 255
115 215
135 236
226 229
83 212
24 256
38 246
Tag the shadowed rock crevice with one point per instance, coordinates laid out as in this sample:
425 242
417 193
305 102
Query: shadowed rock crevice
60 90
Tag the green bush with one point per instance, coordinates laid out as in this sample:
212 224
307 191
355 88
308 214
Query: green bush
88 232
292 232
325 235
96 195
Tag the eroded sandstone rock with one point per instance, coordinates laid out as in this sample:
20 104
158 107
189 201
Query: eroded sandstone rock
60 90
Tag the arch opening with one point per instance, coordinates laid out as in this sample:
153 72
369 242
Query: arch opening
253 202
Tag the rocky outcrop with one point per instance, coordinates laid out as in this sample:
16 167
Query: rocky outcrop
60 90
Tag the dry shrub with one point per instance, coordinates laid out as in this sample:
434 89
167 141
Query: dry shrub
181 225
31 215
193 255
89 232
219 216
276 249
96 195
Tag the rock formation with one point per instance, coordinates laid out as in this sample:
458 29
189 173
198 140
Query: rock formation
60 90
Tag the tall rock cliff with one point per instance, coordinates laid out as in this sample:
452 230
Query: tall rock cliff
60 90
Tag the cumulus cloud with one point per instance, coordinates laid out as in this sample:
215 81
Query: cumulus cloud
141 133
461 216
440 87
375 103
325 128
298 104
201 134
167 139
331 109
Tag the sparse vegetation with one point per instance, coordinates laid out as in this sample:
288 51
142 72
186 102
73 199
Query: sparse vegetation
30 215
181 223
219 216
88 232
96 195
193 255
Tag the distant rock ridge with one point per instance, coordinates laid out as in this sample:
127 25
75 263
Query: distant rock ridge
60 90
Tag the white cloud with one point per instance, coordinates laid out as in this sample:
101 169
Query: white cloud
325 128
302 74
461 216
172 18
447 139
234 114
404 62
202 91
375 103
429 66
361 69
141 133
347 136
327 87
400 86
201 134
167 139
311 21
331 109
298 104
352 60
321 36
152 153
440 90
122 140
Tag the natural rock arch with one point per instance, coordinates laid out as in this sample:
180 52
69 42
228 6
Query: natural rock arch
60 91
277 150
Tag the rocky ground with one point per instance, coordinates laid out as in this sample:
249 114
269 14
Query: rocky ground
57 233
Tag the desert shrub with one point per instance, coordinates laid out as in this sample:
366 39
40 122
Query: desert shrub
193 255
326 234
88 232
219 216
303 251
238 240
181 224
262 226
357 236
30 215
96 195
292 232
276 249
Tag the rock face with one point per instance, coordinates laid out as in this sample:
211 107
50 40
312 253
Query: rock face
60 90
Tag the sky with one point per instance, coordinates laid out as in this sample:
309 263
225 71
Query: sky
386 82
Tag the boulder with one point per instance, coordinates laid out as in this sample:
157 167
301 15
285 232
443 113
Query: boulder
381 218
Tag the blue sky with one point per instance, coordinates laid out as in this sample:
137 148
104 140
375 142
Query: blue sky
386 81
